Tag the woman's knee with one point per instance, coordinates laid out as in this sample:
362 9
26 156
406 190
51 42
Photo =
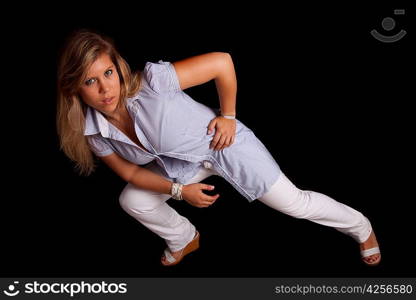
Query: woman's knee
133 199
126 198
287 198
299 207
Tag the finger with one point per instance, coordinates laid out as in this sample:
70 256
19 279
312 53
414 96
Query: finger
221 142
215 140
207 187
227 143
207 204
202 204
208 198
211 126
224 145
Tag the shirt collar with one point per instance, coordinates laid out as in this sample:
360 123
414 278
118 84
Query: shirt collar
95 123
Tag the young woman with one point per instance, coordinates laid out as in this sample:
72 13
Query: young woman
163 143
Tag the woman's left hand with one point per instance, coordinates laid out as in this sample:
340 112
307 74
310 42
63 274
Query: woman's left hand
224 132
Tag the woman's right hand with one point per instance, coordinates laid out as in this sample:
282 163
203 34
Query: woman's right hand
192 193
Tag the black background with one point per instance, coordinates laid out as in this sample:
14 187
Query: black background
331 103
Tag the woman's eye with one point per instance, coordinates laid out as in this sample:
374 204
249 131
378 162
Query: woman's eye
89 81
92 80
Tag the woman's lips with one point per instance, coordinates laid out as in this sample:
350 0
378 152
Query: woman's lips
108 100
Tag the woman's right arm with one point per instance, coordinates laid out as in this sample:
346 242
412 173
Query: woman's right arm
148 180
136 175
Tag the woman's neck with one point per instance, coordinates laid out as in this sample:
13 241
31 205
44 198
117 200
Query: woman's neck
119 115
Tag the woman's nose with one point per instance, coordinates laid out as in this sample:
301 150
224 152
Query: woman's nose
104 88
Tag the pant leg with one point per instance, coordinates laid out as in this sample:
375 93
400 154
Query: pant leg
285 197
151 210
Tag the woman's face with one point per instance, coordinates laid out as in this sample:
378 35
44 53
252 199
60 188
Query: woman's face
101 89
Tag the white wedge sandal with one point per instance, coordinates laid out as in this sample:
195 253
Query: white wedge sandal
368 252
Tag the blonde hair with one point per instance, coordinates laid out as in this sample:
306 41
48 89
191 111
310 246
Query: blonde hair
81 49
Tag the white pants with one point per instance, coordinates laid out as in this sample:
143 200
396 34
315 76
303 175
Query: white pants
151 210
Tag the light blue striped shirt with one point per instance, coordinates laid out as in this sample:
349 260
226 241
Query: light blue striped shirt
173 127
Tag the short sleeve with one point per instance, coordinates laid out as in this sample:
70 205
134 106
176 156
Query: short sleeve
99 145
161 77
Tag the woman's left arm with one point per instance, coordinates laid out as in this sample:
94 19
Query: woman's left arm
203 68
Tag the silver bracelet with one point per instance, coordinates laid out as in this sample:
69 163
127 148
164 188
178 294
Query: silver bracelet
176 191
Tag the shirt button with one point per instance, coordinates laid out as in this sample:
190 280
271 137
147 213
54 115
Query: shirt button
207 164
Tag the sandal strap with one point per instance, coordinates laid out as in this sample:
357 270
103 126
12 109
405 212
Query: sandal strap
371 251
169 256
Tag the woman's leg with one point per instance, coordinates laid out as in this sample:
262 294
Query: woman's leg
151 210
285 197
